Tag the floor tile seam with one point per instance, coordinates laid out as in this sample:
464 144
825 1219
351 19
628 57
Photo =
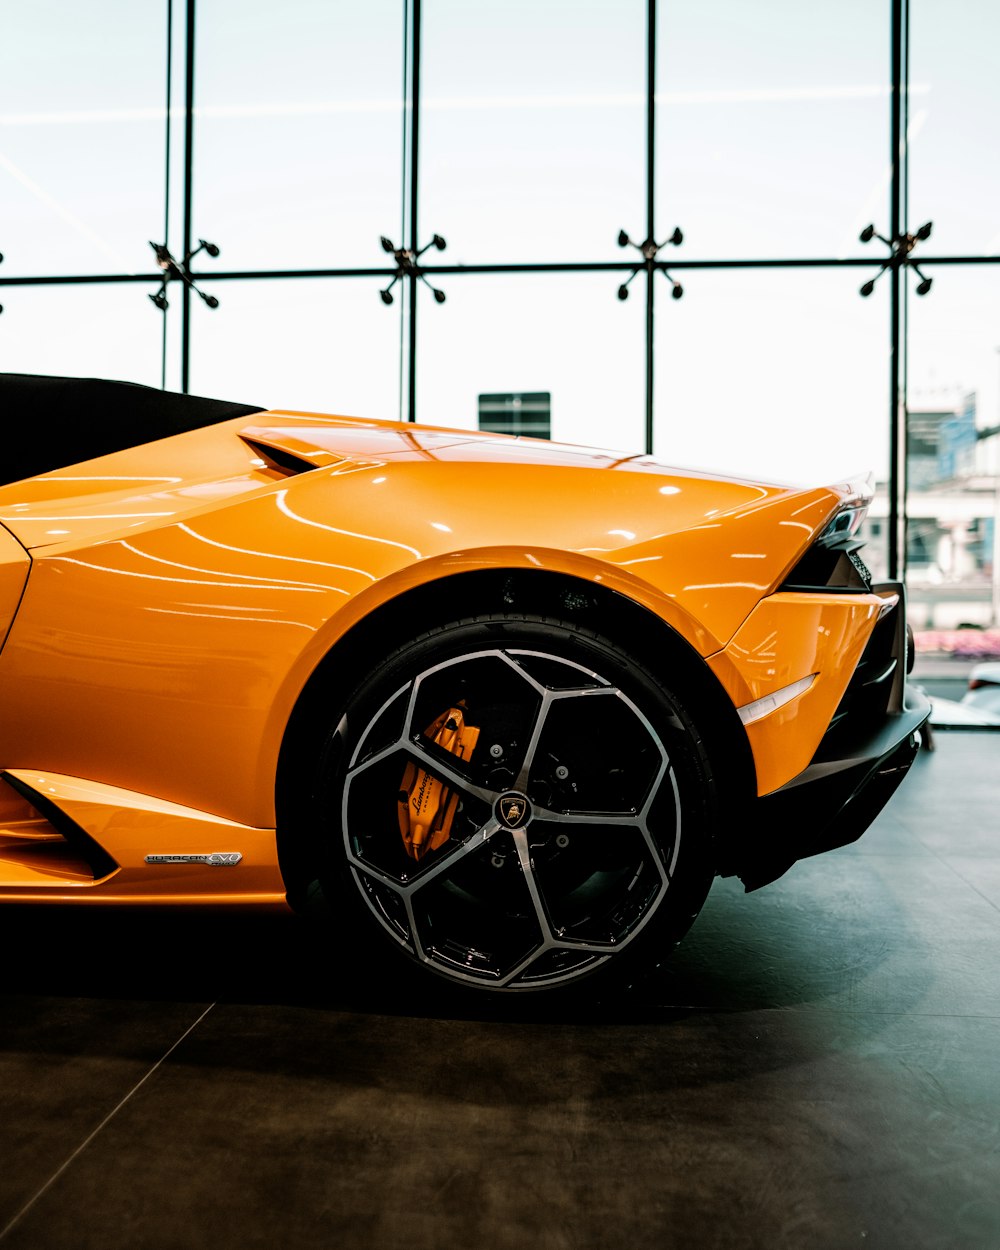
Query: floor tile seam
864 1011
702 1010
939 855
951 867
75 1154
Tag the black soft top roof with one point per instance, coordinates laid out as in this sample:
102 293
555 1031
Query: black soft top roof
49 423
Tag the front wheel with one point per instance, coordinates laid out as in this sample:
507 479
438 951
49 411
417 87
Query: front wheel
513 804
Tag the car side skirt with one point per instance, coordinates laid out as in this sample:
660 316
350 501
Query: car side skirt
69 840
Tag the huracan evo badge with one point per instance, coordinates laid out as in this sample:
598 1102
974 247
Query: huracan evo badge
217 859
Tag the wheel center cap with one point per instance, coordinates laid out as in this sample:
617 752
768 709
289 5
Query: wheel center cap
512 810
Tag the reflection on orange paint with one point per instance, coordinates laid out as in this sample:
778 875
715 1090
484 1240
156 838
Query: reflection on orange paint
14 565
162 639
128 827
788 637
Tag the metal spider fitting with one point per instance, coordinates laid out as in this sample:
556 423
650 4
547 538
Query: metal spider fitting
648 251
407 265
180 270
899 255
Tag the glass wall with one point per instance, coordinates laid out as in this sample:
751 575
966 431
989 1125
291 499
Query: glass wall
526 136
532 124
953 376
82 136
773 125
762 358
954 177
81 331
564 334
299 121
312 346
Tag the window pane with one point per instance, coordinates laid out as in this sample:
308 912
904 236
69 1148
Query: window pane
780 375
318 345
298 152
954 171
773 126
82 90
953 542
563 335
532 128
82 331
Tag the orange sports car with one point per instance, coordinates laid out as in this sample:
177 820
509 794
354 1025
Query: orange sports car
498 708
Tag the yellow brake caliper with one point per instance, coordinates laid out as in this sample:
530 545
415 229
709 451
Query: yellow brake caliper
427 806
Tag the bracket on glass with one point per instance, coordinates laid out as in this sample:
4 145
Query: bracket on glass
1 262
407 266
648 251
180 271
899 255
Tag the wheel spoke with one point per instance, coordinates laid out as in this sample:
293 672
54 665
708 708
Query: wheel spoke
562 891
549 697
601 951
536 732
665 870
454 778
448 860
452 858
627 820
520 837
630 819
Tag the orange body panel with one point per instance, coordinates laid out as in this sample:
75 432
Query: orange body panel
14 565
162 639
818 633
130 826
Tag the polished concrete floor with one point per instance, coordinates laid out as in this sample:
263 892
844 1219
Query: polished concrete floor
820 1068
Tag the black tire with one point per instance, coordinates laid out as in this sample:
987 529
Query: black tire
594 880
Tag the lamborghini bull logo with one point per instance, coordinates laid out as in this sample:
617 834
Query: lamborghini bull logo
513 810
